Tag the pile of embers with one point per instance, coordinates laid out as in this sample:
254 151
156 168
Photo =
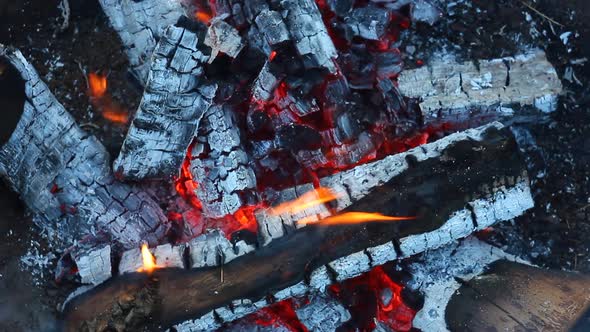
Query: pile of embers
277 160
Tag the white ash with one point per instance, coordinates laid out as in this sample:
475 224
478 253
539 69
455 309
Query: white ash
175 99
94 266
222 37
323 313
453 91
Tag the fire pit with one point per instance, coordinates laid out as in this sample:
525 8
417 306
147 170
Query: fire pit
294 165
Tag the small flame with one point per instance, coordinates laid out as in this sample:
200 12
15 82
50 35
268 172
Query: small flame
149 261
97 85
203 16
102 101
308 200
272 55
116 116
348 218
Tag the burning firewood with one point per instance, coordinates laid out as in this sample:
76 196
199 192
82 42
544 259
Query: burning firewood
462 187
140 24
63 174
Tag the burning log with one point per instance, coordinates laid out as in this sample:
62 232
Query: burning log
442 192
175 99
140 24
63 176
463 92
353 185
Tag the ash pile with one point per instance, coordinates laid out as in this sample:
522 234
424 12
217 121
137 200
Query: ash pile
270 129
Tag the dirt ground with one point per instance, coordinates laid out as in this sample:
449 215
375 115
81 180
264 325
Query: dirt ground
555 234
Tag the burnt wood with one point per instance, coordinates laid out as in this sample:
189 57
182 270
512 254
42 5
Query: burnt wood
517 297
432 191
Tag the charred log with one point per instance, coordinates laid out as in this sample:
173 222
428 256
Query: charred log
140 24
175 98
63 174
219 164
438 191
464 92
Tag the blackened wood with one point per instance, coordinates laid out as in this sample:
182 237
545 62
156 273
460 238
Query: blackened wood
432 191
516 297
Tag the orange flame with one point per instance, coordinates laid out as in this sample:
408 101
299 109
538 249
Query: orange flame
111 110
116 116
149 261
308 200
348 218
203 16
97 85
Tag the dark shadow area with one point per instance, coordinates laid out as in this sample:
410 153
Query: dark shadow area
12 99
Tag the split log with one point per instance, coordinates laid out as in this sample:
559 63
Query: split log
516 297
140 23
175 98
63 174
463 92
438 191
219 164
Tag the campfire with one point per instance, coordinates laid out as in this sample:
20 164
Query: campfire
289 167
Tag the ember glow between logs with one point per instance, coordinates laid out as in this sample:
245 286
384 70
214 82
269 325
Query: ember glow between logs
97 91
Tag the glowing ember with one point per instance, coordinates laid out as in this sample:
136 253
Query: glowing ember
149 261
116 116
203 16
281 315
374 297
272 55
97 85
354 218
308 200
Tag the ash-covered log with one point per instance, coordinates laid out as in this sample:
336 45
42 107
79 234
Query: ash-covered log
140 23
175 98
444 194
63 174
452 92
219 164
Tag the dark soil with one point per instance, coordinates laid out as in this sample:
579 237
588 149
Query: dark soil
555 234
